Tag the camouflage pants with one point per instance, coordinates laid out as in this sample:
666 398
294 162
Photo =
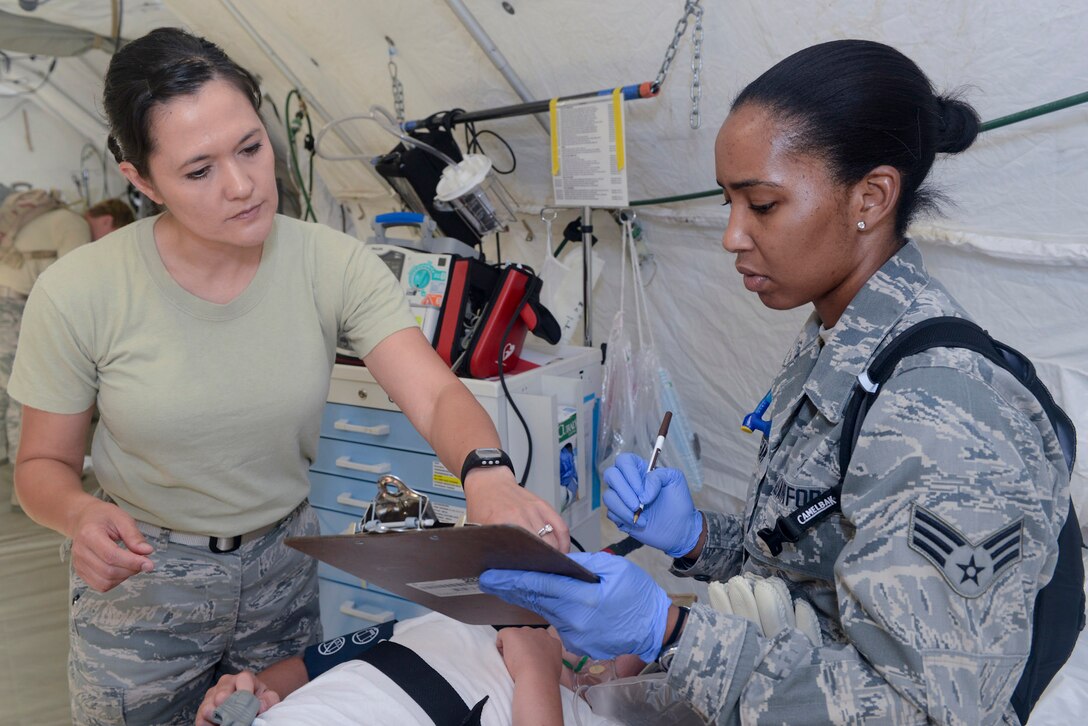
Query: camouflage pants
146 651
11 317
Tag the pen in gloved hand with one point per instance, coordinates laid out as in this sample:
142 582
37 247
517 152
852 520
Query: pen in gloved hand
659 444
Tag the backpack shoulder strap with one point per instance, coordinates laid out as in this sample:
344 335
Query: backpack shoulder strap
940 332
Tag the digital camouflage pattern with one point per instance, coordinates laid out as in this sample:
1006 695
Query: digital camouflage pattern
924 583
146 651
11 317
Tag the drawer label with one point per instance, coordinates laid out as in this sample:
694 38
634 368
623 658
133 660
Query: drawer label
450 588
443 478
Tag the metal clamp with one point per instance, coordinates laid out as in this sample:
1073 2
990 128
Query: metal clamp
397 508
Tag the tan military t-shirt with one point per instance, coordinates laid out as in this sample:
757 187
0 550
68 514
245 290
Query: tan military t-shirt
209 413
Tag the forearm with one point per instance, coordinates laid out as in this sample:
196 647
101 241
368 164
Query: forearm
51 493
285 676
537 700
458 425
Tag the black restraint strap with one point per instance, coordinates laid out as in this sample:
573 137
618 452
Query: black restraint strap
423 684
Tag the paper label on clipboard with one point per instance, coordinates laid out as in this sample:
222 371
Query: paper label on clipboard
449 588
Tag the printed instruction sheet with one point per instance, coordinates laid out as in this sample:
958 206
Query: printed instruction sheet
588 152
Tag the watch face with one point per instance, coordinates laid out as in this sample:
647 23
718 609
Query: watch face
488 453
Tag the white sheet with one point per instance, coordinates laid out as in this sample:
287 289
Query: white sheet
465 655
1065 701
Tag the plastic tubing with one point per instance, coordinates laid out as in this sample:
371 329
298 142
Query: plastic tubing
389 125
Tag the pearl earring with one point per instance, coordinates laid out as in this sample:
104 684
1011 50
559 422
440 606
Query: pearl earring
861 225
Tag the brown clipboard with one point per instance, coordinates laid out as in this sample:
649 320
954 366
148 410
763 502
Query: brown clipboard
438 568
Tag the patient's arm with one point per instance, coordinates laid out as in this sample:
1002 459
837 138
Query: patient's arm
274 682
533 657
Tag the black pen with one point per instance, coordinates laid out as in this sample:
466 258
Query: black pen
659 444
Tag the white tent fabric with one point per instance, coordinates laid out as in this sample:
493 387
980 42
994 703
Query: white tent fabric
1014 247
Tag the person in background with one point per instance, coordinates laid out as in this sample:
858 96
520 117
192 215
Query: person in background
35 230
923 585
205 338
108 215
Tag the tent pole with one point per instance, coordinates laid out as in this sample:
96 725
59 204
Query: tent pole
587 276
488 46
302 90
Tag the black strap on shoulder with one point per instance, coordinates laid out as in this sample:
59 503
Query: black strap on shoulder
423 684
942 332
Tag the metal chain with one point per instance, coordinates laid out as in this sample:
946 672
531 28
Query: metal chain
691 8
398 87
696 63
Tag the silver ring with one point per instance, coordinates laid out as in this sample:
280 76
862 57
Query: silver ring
546 529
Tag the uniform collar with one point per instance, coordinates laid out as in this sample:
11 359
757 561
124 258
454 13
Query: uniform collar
871 315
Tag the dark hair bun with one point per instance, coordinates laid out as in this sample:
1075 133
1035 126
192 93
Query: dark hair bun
115 148
957 125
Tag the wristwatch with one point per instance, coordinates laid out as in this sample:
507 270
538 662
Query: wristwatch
485 458
672 643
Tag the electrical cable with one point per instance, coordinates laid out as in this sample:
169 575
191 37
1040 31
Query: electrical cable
293 127
473 146
29 91
506 391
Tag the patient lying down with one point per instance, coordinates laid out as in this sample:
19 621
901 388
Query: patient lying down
524 679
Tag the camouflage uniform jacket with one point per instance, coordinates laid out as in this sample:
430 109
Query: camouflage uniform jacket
924 584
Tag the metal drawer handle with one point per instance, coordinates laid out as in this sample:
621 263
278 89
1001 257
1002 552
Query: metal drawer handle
344 425
348 608
347 500
345 462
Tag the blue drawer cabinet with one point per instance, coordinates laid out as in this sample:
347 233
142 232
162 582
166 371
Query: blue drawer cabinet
346 608
371 426
368 462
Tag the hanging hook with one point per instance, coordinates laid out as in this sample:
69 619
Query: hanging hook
544 212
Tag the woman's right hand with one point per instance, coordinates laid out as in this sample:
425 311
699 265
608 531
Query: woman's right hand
97 555
669 520
221 691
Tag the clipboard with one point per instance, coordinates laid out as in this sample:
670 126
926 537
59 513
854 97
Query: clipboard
439 567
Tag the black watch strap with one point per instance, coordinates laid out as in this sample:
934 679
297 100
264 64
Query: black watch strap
480 458
668 648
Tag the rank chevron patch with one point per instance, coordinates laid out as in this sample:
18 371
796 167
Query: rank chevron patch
969 568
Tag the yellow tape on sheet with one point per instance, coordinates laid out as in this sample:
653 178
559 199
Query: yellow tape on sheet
553 118
617 115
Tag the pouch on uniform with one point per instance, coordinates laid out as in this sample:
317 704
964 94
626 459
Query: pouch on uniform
643 700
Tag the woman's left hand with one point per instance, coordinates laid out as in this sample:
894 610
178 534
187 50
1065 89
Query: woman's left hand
227 685
494 497
626 612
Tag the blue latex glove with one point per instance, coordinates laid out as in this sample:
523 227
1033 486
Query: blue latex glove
669 520
625 612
